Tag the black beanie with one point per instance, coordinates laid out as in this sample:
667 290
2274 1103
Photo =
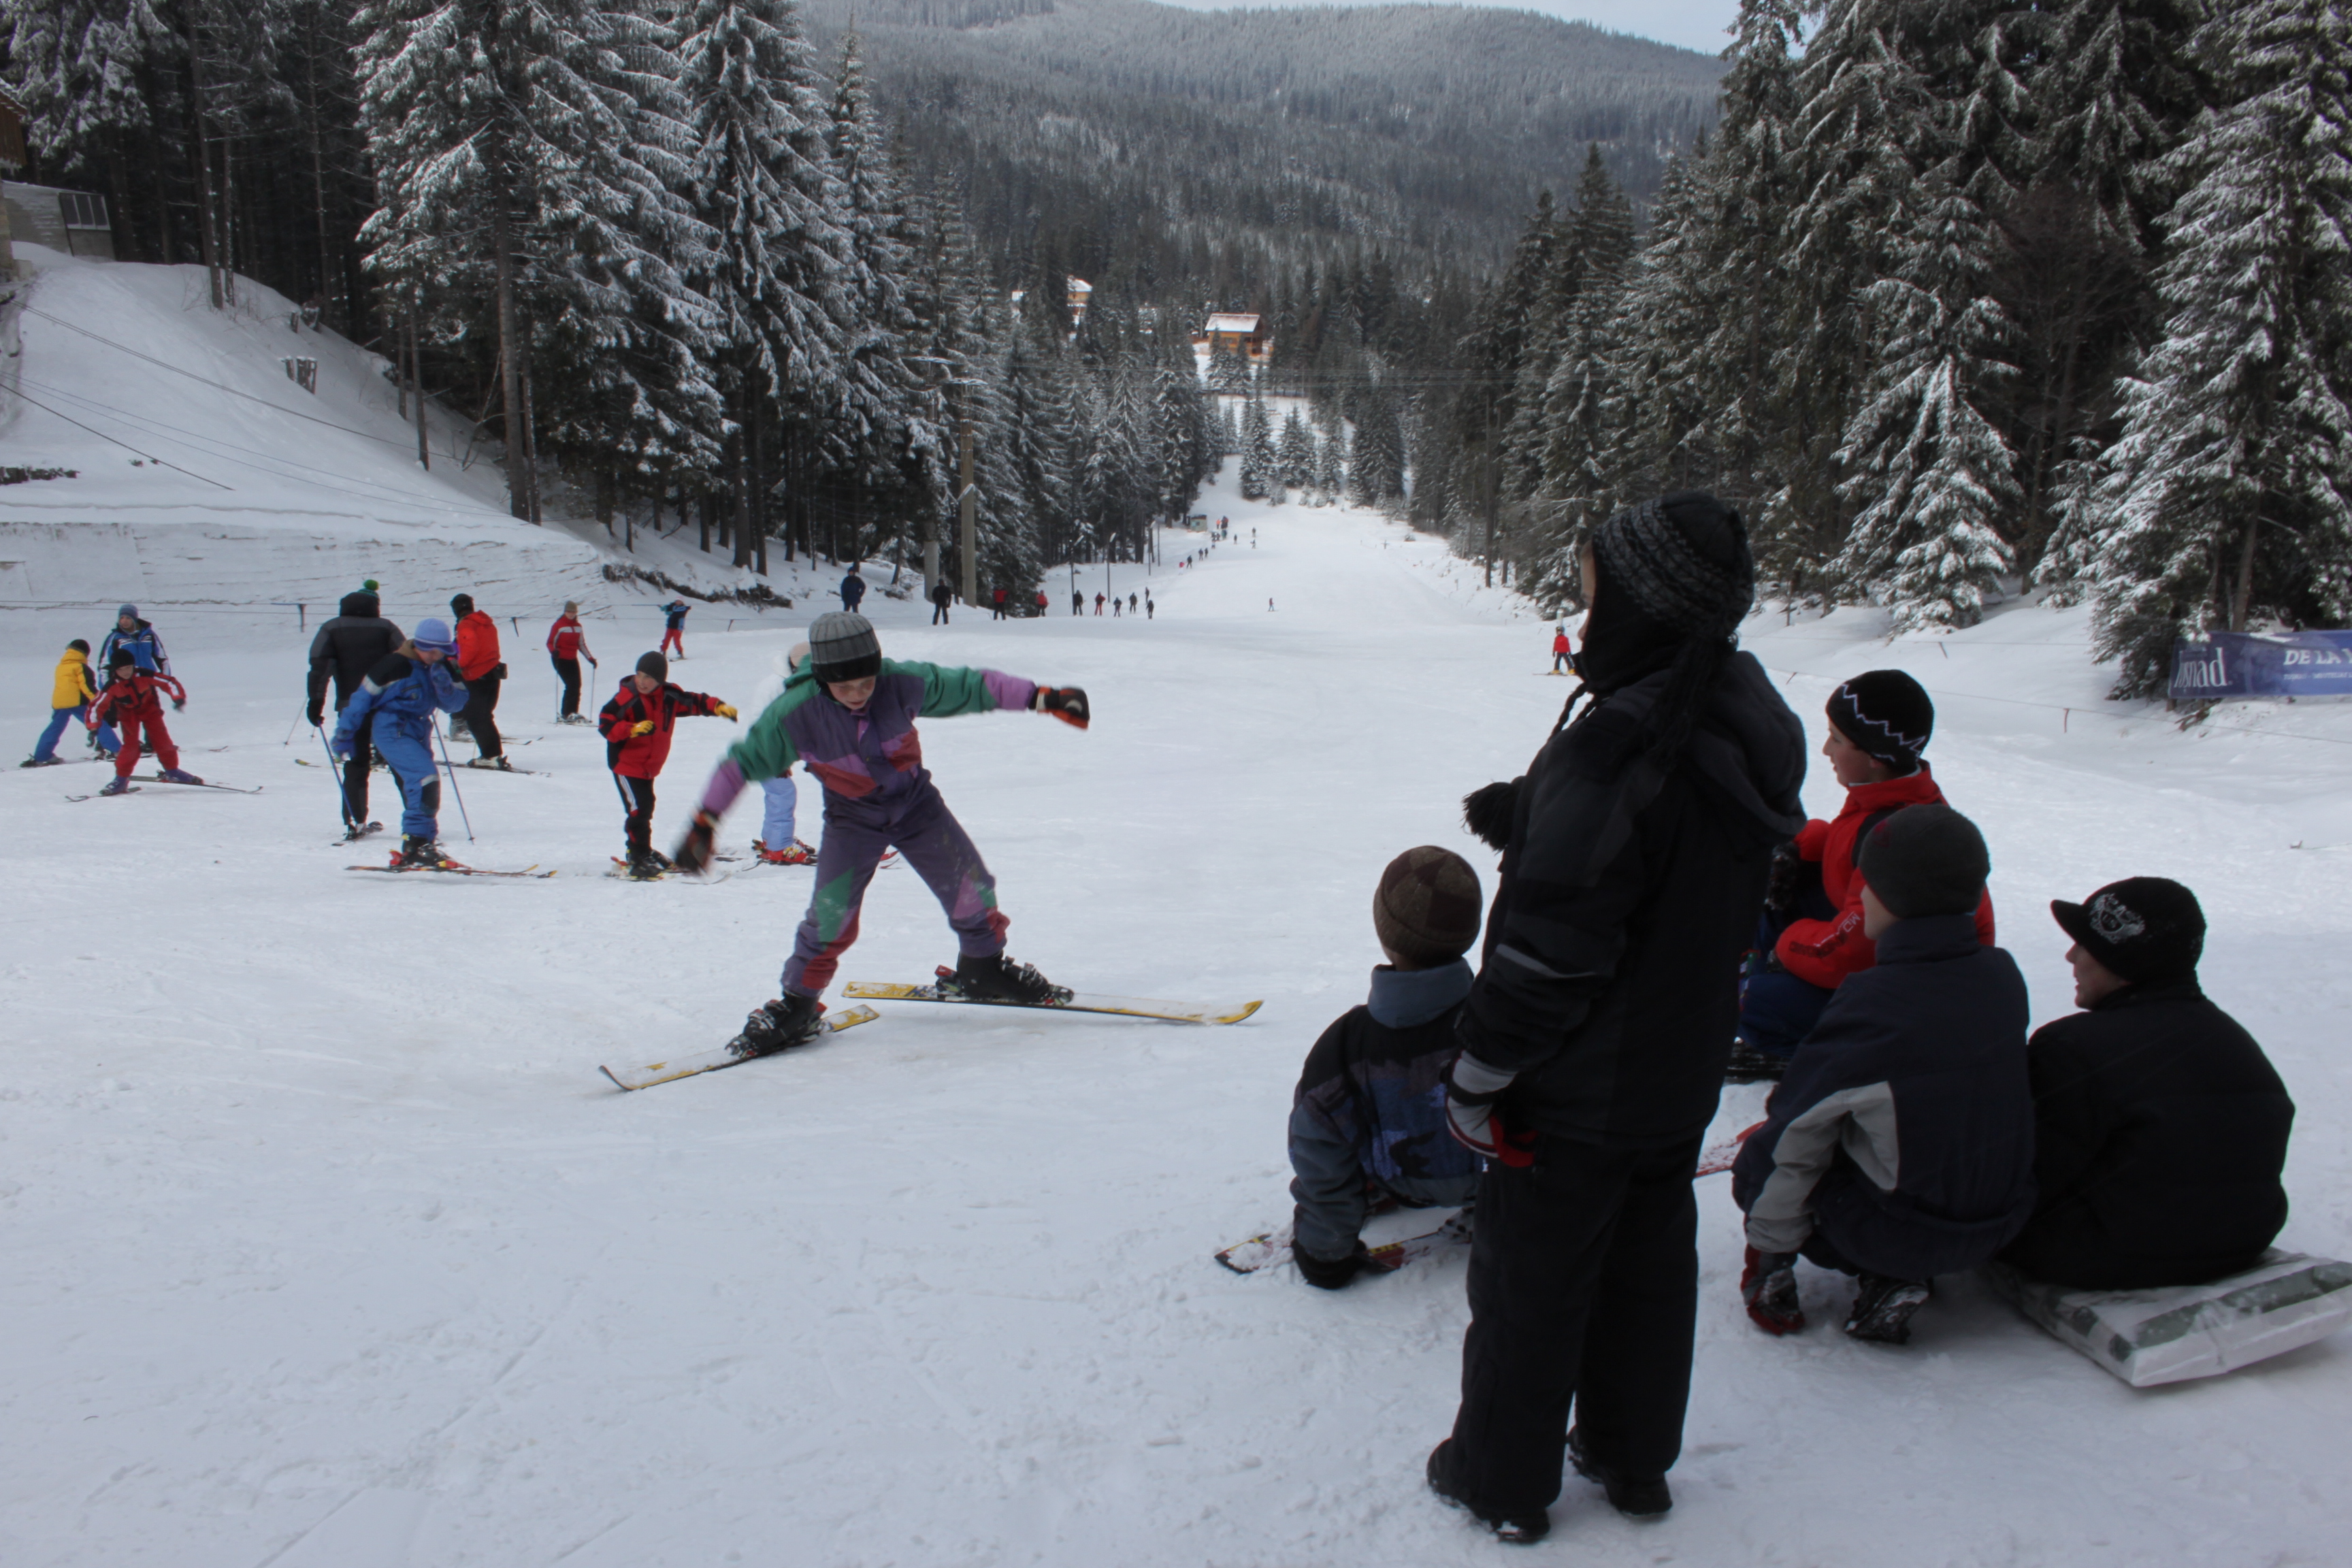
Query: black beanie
1427 906
2142 928
1926 860
652 664
462 605
1673 571
122 655
1887 714
78 646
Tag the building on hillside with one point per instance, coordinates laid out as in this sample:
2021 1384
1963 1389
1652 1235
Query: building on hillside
1242 333
72 221
1081 294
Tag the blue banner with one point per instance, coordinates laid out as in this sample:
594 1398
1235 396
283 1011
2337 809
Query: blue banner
2263 664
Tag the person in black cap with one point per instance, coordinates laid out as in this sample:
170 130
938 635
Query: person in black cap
2160 1127
1811 937
636 725
1594 1039
355 641
1900 1145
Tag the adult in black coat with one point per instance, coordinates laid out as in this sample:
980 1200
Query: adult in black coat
1594 1041
2161 1128
346 647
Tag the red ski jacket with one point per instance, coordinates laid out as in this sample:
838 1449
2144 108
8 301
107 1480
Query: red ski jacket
1559 642
478 646
563 637
135 696
642 756
1824 952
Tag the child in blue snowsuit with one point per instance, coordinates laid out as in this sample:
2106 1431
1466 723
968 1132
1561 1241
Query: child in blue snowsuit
401 693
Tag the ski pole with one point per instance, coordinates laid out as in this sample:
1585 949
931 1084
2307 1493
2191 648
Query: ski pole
453 785
291 728
342 800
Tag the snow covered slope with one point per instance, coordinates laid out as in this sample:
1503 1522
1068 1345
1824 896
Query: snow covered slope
329 1244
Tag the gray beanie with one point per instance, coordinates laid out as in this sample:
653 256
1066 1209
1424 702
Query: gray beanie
1926 860
843 647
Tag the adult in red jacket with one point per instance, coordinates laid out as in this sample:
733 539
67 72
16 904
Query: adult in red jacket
1812 937
132 702
567 645
637 724
479 668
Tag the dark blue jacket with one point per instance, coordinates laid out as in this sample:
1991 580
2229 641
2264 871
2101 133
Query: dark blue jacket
1902 1132
145 647
852 591
1371 1103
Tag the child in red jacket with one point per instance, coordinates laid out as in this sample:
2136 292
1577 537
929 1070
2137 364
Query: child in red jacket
1811 936
133 701
637 724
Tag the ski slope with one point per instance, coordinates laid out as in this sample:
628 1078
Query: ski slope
330 1245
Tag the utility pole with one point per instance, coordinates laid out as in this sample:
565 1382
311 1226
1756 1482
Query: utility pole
968 539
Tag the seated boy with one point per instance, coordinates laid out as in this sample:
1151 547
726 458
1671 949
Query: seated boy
2159 1126
1811 935
1900 1145
1370 1113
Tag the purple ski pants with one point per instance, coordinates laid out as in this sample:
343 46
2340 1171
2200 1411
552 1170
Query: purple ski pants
934 844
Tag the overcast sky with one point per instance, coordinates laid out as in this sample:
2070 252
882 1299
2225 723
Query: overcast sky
1693 23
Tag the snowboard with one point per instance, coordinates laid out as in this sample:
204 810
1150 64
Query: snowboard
531 871
710 1061
1273 1246
1079 1002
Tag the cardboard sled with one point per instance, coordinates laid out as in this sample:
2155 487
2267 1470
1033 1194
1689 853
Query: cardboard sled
2287 1300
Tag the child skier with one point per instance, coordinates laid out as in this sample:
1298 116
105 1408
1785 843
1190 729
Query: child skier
850 715
70 699
1563 657
1900 1145
567 645
674 627
1369 1116
400 695
637 724
1811 937
132 701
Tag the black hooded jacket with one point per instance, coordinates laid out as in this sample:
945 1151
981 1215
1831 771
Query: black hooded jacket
2160 1129
346 648
1609 982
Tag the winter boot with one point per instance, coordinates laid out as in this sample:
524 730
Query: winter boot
1769 1285
419 851
42 763
495 764
776 1025
1883 1309
996 978
360 830
118 785
179 776
1748 1065
1636 1497
793 853
645 866
1519 1530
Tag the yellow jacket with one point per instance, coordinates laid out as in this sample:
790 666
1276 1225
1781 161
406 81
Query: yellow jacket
74 685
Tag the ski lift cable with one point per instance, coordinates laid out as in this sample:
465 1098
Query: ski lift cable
19 392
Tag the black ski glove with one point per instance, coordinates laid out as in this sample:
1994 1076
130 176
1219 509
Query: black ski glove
697 850
1782 887
1328 1274
1067 703
1489 812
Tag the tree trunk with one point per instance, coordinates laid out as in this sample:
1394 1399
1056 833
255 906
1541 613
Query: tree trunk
318 192
2241 592
416 379
529 427
738 467
206 205
509 334
757 467
604 499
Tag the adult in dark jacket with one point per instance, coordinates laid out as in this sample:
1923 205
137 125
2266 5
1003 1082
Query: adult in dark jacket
1900 1145
940 597
1594 1041
346 647
2160 1128
853 590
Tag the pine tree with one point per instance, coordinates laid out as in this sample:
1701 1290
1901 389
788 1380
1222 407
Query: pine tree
1260 476
2233 475
1294 457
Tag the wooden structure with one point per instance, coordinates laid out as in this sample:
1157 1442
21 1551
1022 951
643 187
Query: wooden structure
1238 331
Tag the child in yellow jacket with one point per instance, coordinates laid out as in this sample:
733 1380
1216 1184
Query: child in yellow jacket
69 700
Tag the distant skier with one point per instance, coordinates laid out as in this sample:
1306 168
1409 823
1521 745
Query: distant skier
1098 602
139 636
567 645
1078 602
346 648
71 693
1004 605
132 702
1147 610
479 667
404 689
852 589
1368 1114
674 627
1043 603
940 597
636 725
1130 603
1115 604
850 715
1563 656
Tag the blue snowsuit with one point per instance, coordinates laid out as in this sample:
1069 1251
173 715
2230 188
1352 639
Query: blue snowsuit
145 647
783 805
400 694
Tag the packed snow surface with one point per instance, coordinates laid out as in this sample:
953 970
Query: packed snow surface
330 1246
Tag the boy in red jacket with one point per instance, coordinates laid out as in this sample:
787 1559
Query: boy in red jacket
637 724
133 701
1811 936
482 671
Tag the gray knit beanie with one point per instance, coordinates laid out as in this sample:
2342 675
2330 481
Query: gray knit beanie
1684 560
1926 860
843 647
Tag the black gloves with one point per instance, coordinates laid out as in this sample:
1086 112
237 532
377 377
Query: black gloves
1489 812
1787 881
696 850
1067 703
1328 1274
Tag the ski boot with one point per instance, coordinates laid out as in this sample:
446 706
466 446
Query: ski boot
422 852
776 1025
42 763
1748 1065
359 830
1883 1309
495 764
179 776
796 854
1519 1530
118 785
996 978
645 866
1636 1497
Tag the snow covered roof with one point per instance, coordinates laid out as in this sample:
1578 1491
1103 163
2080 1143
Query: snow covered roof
1232 321
1080 285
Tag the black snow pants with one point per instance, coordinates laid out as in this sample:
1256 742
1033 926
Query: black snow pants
355 772
1583 1291
482 702
567 670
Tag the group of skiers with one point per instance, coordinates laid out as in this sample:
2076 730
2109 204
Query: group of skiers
123 717
1666 918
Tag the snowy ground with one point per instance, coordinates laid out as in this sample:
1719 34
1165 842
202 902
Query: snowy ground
329 1244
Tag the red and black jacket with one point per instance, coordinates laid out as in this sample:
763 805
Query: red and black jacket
135 696
641 756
